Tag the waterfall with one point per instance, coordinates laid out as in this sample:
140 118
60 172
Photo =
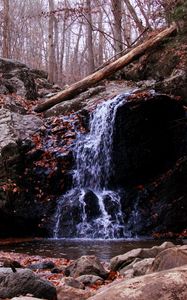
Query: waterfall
94 211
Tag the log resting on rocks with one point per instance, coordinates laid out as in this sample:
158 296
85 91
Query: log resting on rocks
96 77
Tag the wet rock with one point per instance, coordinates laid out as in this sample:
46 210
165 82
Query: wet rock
45 265
70 293
87 265
145 143
92 207
90 279
157 210
75 283
170 258
120 261
171 284
24 282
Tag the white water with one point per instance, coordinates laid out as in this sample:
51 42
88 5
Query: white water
93 170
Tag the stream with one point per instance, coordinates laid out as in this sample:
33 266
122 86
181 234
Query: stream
75 248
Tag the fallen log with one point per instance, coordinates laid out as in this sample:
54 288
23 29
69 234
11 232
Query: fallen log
94 78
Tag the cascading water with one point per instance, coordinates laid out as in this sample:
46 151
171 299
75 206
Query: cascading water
97 209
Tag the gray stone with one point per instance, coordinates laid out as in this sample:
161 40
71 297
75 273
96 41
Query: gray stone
120 261
75 283
165 285
14 126
7 65
24 282
86 265
90 279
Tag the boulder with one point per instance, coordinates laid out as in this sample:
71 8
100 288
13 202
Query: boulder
90 279
24 282
70 293
86 265
17 77
170 284
170 258
119 262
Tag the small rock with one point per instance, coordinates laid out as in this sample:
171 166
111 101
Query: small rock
45 265
70 281
90 279
86 265
70 293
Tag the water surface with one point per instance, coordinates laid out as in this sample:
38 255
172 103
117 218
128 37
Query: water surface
74 248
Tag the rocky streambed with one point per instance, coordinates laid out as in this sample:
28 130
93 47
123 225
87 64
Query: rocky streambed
159 272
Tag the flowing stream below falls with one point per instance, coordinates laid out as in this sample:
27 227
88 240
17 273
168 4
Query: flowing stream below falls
98 209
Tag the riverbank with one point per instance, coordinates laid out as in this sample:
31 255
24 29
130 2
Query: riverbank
141 273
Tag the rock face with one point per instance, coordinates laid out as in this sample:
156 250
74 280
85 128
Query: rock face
24 282
86 265
167 65
149 155
146 139
171 284
17 78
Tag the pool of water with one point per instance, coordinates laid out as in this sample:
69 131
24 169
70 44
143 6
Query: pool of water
74 248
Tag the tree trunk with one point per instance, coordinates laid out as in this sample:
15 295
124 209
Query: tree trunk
117 13
91 64
6 29
51 51
94 78
134 16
